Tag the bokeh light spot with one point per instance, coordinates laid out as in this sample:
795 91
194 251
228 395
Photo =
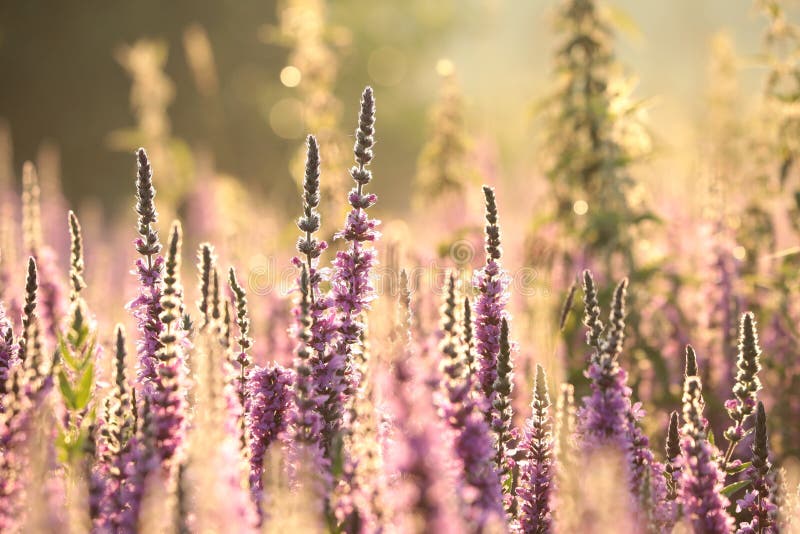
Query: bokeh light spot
291 76
286 118
445 67
580 207
387 66
739 252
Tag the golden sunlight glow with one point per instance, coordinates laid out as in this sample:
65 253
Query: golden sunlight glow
739 253
445 67
291 76
580 207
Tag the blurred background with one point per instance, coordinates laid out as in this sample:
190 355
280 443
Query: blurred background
652 140
235 85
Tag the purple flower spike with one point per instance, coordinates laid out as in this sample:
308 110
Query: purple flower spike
269 401
758 503
480 490
700 478
168 397
146 307
537 470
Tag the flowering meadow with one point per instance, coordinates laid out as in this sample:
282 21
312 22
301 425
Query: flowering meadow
618 355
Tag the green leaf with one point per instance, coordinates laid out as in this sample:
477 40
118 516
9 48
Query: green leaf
711 439
738 468
337 456
66 354
66 390
730 489
84 390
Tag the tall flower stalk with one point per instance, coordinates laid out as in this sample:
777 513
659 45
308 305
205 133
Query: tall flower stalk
146 307
480 493
328 369
537 471
306 424
350 284
242 361
493 345
52 293
700 480
746 385
78 351
267 415
30 381
609 417
758 503
168 399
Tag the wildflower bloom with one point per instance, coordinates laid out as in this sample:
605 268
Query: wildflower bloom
481 493
700 479
491 283
673 450
168 397
53 306
146 307
747 383
29 383
242 360
268 403
537 470
8 354
326 365
758 503
351 287
604 415
116 437
305 423
609 417
493 345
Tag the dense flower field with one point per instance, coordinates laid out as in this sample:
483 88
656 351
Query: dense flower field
372 395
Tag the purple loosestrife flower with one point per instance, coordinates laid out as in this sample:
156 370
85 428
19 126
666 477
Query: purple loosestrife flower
242 361
501 423
53 306
747 384
537 474
608 416
494 348
350 284
327 366
137 464
480 491
30 381
469 343
8 355
758 503
169 394
604 414
305 426
700 479
146 307
491 283
116 428
673 450
269 401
